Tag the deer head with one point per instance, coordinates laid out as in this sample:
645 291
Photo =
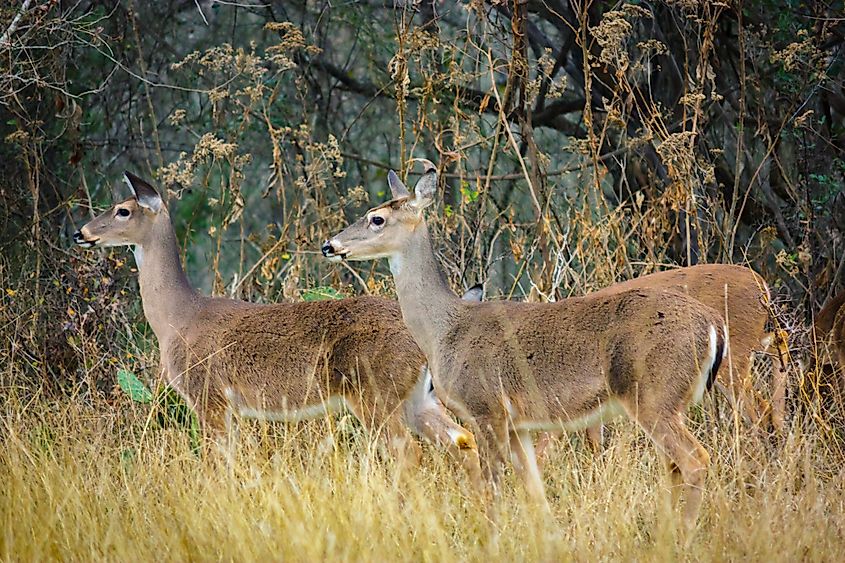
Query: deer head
383 230
127 222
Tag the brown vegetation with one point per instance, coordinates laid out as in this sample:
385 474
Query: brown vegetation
583 143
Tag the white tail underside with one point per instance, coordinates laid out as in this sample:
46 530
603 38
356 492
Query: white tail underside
706 366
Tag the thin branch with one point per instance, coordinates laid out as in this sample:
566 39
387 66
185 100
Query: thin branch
483 173
6 37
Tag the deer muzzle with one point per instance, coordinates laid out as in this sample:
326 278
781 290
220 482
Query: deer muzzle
332 251
82 241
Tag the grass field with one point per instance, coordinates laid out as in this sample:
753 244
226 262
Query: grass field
82 482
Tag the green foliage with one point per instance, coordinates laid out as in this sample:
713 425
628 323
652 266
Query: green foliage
133 386
469 192
321 293
170 408
172 411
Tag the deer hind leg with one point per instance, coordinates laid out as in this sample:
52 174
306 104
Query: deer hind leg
386 422
522 448
595 437
686 459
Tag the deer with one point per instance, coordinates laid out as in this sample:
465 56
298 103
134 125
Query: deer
512 368
743 296
829 329
829 325
277 362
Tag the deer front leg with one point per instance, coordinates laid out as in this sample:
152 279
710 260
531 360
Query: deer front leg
492 439
432 422
595 437
738 388
218 427
387 425
426 415
780 375
541 448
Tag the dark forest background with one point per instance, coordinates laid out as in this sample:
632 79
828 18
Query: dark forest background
581 142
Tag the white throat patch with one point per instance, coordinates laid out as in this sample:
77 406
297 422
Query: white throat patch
139 255
395 263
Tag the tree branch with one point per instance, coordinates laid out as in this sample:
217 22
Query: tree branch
7 35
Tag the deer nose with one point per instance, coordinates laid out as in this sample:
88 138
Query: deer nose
77 237
328 249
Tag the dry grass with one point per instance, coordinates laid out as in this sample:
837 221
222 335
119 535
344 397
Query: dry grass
84 478
82 482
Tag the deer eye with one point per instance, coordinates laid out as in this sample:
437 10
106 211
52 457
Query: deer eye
123 212
377 220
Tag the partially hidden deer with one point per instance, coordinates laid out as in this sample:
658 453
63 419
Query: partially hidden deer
829 329
742 296
278 362
510 368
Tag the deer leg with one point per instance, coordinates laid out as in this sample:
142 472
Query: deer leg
687 460
522 448
219 428
387 424
676 480
399 440
595 437
780 373
779 382
544 440
429 419
492 438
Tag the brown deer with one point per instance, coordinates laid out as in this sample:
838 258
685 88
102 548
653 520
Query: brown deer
829 328
286 361
511 368
743 297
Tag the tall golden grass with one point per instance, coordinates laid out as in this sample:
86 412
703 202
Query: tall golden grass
101 482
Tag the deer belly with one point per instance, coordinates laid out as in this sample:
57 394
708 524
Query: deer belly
281 411
602 413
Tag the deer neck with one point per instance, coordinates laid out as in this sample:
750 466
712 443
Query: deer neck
428 304
168 299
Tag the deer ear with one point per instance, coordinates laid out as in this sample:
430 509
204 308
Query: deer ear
146 195
475 293
397 188
426 186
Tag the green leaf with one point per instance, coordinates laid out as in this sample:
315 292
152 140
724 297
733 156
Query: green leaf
173 411
127 457
133 387
43 437
320 293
